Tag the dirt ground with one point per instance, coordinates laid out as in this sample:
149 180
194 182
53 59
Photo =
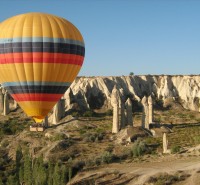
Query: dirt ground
139 173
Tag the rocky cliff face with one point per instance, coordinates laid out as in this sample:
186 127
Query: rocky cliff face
95 92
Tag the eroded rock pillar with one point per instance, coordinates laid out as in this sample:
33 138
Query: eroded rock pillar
58 111
129 116
165 144
115 104
1 101
150 104
145 114
122 109
6 104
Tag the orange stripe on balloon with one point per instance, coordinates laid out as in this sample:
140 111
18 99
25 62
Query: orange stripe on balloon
36 97
39 57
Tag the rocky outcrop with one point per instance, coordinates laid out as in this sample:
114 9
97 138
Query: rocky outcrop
150 104
6 109
58 112
115 96
165 144
1 101
95 92
129 116
145 113
122 109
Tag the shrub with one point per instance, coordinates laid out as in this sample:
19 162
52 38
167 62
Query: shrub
88 113
11 127
93 137
107 157
75 114
175 149
139 148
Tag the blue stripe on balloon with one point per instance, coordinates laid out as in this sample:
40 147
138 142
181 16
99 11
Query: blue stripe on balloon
41 39
6 84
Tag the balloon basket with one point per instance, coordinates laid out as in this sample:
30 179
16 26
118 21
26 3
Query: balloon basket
37 128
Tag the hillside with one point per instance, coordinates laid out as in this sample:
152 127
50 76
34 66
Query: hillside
85 145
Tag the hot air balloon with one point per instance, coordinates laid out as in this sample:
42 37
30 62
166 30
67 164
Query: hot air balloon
40 56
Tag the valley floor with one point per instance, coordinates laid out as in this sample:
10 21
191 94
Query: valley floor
171 169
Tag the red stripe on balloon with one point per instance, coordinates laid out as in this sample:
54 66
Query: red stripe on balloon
36 97
39 57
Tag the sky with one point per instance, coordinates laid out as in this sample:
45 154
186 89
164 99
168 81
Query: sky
123 36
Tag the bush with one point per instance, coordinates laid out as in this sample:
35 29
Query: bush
175 149
88 113
139 148
75 114
93 137
11 127
107 157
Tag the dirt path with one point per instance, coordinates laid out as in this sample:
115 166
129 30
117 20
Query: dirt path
149 169
143 171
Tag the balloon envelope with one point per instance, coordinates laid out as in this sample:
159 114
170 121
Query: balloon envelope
40 56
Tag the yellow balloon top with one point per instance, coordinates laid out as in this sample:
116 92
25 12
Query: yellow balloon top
39 25
40 56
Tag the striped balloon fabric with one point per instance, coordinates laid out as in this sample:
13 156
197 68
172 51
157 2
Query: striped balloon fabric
40 56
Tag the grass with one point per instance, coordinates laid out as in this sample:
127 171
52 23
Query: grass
92 141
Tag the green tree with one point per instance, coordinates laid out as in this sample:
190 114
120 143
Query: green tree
131 73
50 173
42 172
18 159
27 169
70 169
63 175
21 173
12 180
39 172
57 175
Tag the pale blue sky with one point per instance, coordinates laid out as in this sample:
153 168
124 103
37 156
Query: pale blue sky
123 36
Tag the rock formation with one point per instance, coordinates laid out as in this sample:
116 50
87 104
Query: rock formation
70 100
115 96
165 144
6 104
58 111
182 88
122 109
95 92
14 105
129 116
1 102
145 113
150 104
